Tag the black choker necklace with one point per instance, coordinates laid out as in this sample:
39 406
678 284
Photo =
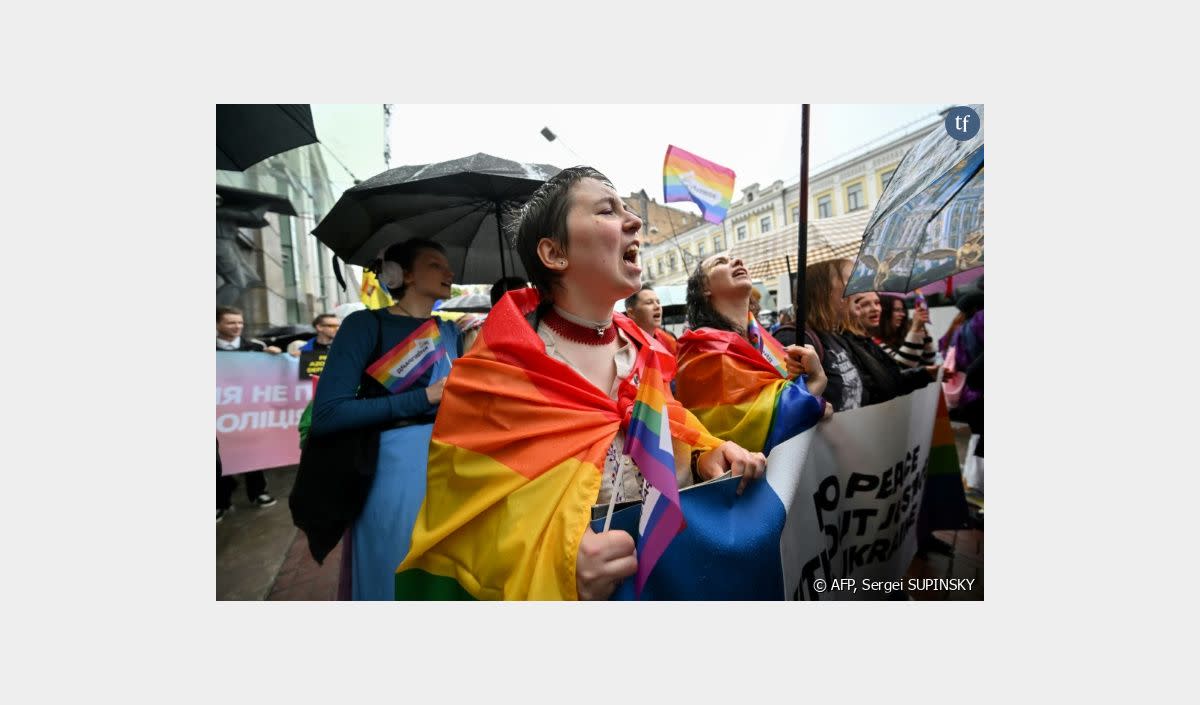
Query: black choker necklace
576 333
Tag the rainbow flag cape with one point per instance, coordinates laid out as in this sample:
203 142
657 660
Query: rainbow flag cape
515 462
372 294
667 340
687 177
404 364
739 393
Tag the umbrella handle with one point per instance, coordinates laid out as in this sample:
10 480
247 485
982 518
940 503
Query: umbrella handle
337 272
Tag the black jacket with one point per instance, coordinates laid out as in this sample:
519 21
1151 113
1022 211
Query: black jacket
883 378
247 345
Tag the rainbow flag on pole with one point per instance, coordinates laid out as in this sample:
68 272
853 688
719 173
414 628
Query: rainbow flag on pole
648 442
405 363
687 177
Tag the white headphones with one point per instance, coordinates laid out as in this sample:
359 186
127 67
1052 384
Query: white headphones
391 275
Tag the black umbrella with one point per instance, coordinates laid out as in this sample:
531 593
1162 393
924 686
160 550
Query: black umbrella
928 224
459 204
248 134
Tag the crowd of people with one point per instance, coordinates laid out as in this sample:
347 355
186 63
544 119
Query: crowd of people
551 355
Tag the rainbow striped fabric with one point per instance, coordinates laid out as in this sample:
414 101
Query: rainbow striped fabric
515 462
687 177
739 392
648 442
945 503
404 364
771 349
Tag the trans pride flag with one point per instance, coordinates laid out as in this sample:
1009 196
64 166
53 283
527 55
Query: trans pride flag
687 177
740 391
515 462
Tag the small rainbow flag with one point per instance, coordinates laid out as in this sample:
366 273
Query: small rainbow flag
687 177
648 442
405 363
770 348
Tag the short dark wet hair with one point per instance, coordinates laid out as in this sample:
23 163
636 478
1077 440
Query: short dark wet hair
544 215
405 254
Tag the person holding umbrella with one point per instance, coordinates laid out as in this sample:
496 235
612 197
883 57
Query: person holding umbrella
416 273
534 420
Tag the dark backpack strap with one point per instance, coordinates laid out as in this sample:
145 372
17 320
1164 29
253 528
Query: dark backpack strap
368 386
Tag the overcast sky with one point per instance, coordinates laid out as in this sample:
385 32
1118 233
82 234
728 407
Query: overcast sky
761 143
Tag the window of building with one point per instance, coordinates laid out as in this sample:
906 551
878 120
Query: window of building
825 207
741 233
795 214
886 177
764 224
718 242
854 197
660 267
700 248
671 259
749 197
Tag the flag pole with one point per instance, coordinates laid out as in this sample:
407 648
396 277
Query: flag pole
802 229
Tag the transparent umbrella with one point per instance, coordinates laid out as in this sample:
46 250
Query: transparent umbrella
928 224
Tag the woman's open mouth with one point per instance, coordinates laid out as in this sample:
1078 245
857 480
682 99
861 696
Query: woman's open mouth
631 256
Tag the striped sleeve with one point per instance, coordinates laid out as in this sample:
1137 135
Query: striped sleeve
917 349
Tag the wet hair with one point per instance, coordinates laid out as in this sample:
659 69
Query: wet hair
227 310
405 254
822 314
505 285
633 298
700 311
323 316
544 215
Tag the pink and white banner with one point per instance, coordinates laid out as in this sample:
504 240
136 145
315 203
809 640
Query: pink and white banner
260 399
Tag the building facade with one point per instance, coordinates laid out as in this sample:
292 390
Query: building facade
268 264
761 227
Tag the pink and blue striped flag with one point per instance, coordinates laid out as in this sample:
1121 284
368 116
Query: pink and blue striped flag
648 442
687 177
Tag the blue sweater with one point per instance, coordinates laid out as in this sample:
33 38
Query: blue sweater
336 408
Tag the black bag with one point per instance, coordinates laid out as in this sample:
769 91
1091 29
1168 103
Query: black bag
336 471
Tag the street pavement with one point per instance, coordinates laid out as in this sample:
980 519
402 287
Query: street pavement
261 555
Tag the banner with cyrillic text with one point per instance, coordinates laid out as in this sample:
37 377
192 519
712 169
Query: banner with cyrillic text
839 502
260 399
